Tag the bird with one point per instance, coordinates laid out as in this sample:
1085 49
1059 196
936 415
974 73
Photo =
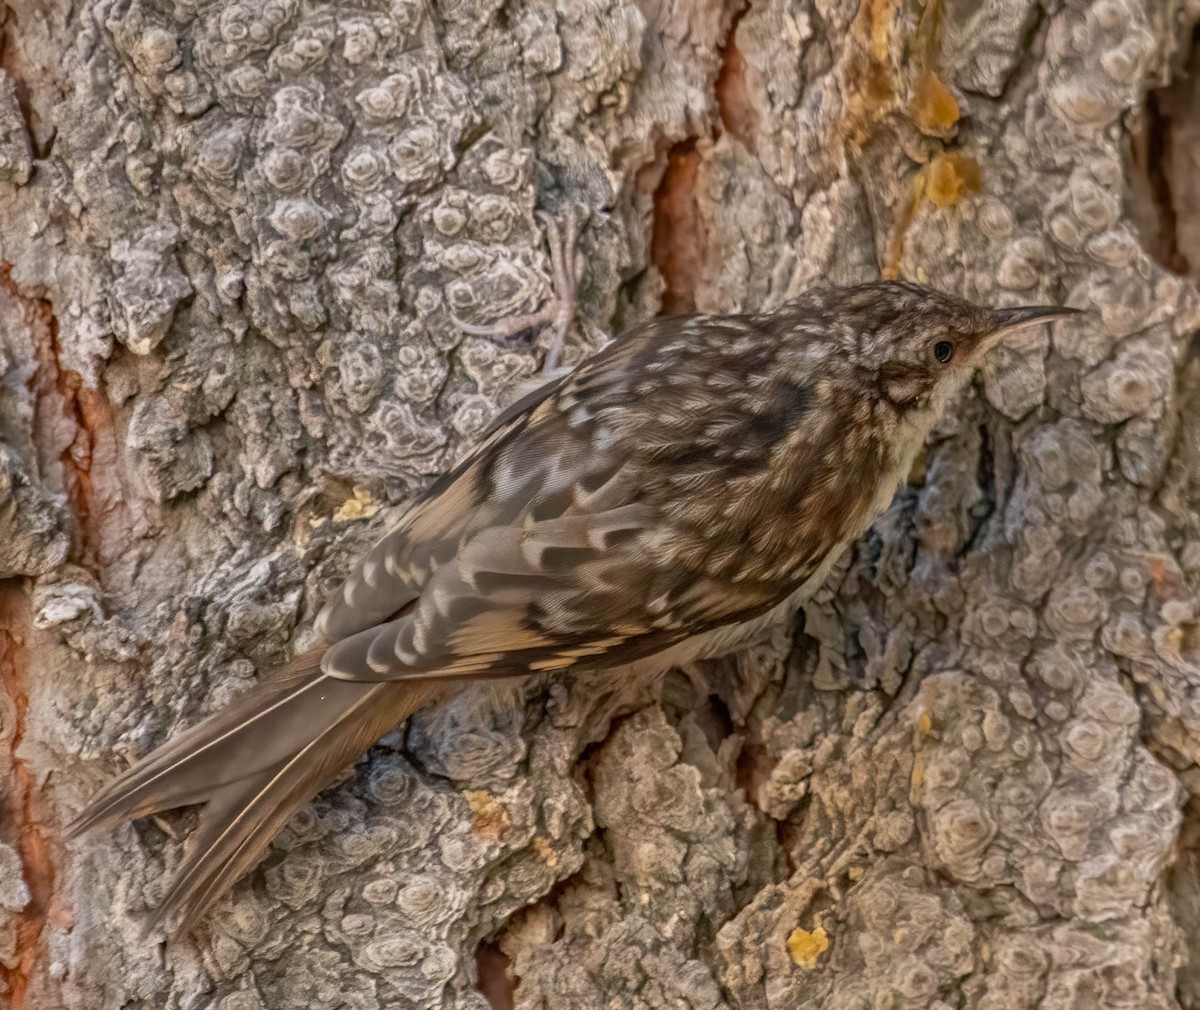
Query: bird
649 506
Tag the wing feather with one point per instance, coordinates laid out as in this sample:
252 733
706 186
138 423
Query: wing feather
493 485
544 540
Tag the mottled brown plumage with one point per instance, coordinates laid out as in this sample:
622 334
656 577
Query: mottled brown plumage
651 504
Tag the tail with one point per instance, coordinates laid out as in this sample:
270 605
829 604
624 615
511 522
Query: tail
253 766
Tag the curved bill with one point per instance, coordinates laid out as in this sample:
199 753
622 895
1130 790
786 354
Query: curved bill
1008 320
1024 317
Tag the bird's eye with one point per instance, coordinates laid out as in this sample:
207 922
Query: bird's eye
943 350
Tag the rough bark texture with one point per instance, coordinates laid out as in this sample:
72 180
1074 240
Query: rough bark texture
233 236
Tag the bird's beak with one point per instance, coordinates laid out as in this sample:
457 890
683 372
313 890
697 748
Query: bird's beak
1009 321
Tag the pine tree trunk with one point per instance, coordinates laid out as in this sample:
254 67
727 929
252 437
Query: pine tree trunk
235 238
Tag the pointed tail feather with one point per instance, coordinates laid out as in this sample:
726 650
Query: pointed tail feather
253 766
218 751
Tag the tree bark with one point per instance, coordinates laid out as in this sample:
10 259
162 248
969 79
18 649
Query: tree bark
235 237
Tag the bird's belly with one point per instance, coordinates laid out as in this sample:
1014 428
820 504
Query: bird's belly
867 506
731 637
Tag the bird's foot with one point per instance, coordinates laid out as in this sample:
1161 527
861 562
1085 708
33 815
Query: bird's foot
559 310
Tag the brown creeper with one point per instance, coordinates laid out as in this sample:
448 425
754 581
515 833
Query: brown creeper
650 505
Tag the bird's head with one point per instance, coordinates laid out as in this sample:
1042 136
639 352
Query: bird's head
920 346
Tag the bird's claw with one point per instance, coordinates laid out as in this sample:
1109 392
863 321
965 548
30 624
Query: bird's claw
559 310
